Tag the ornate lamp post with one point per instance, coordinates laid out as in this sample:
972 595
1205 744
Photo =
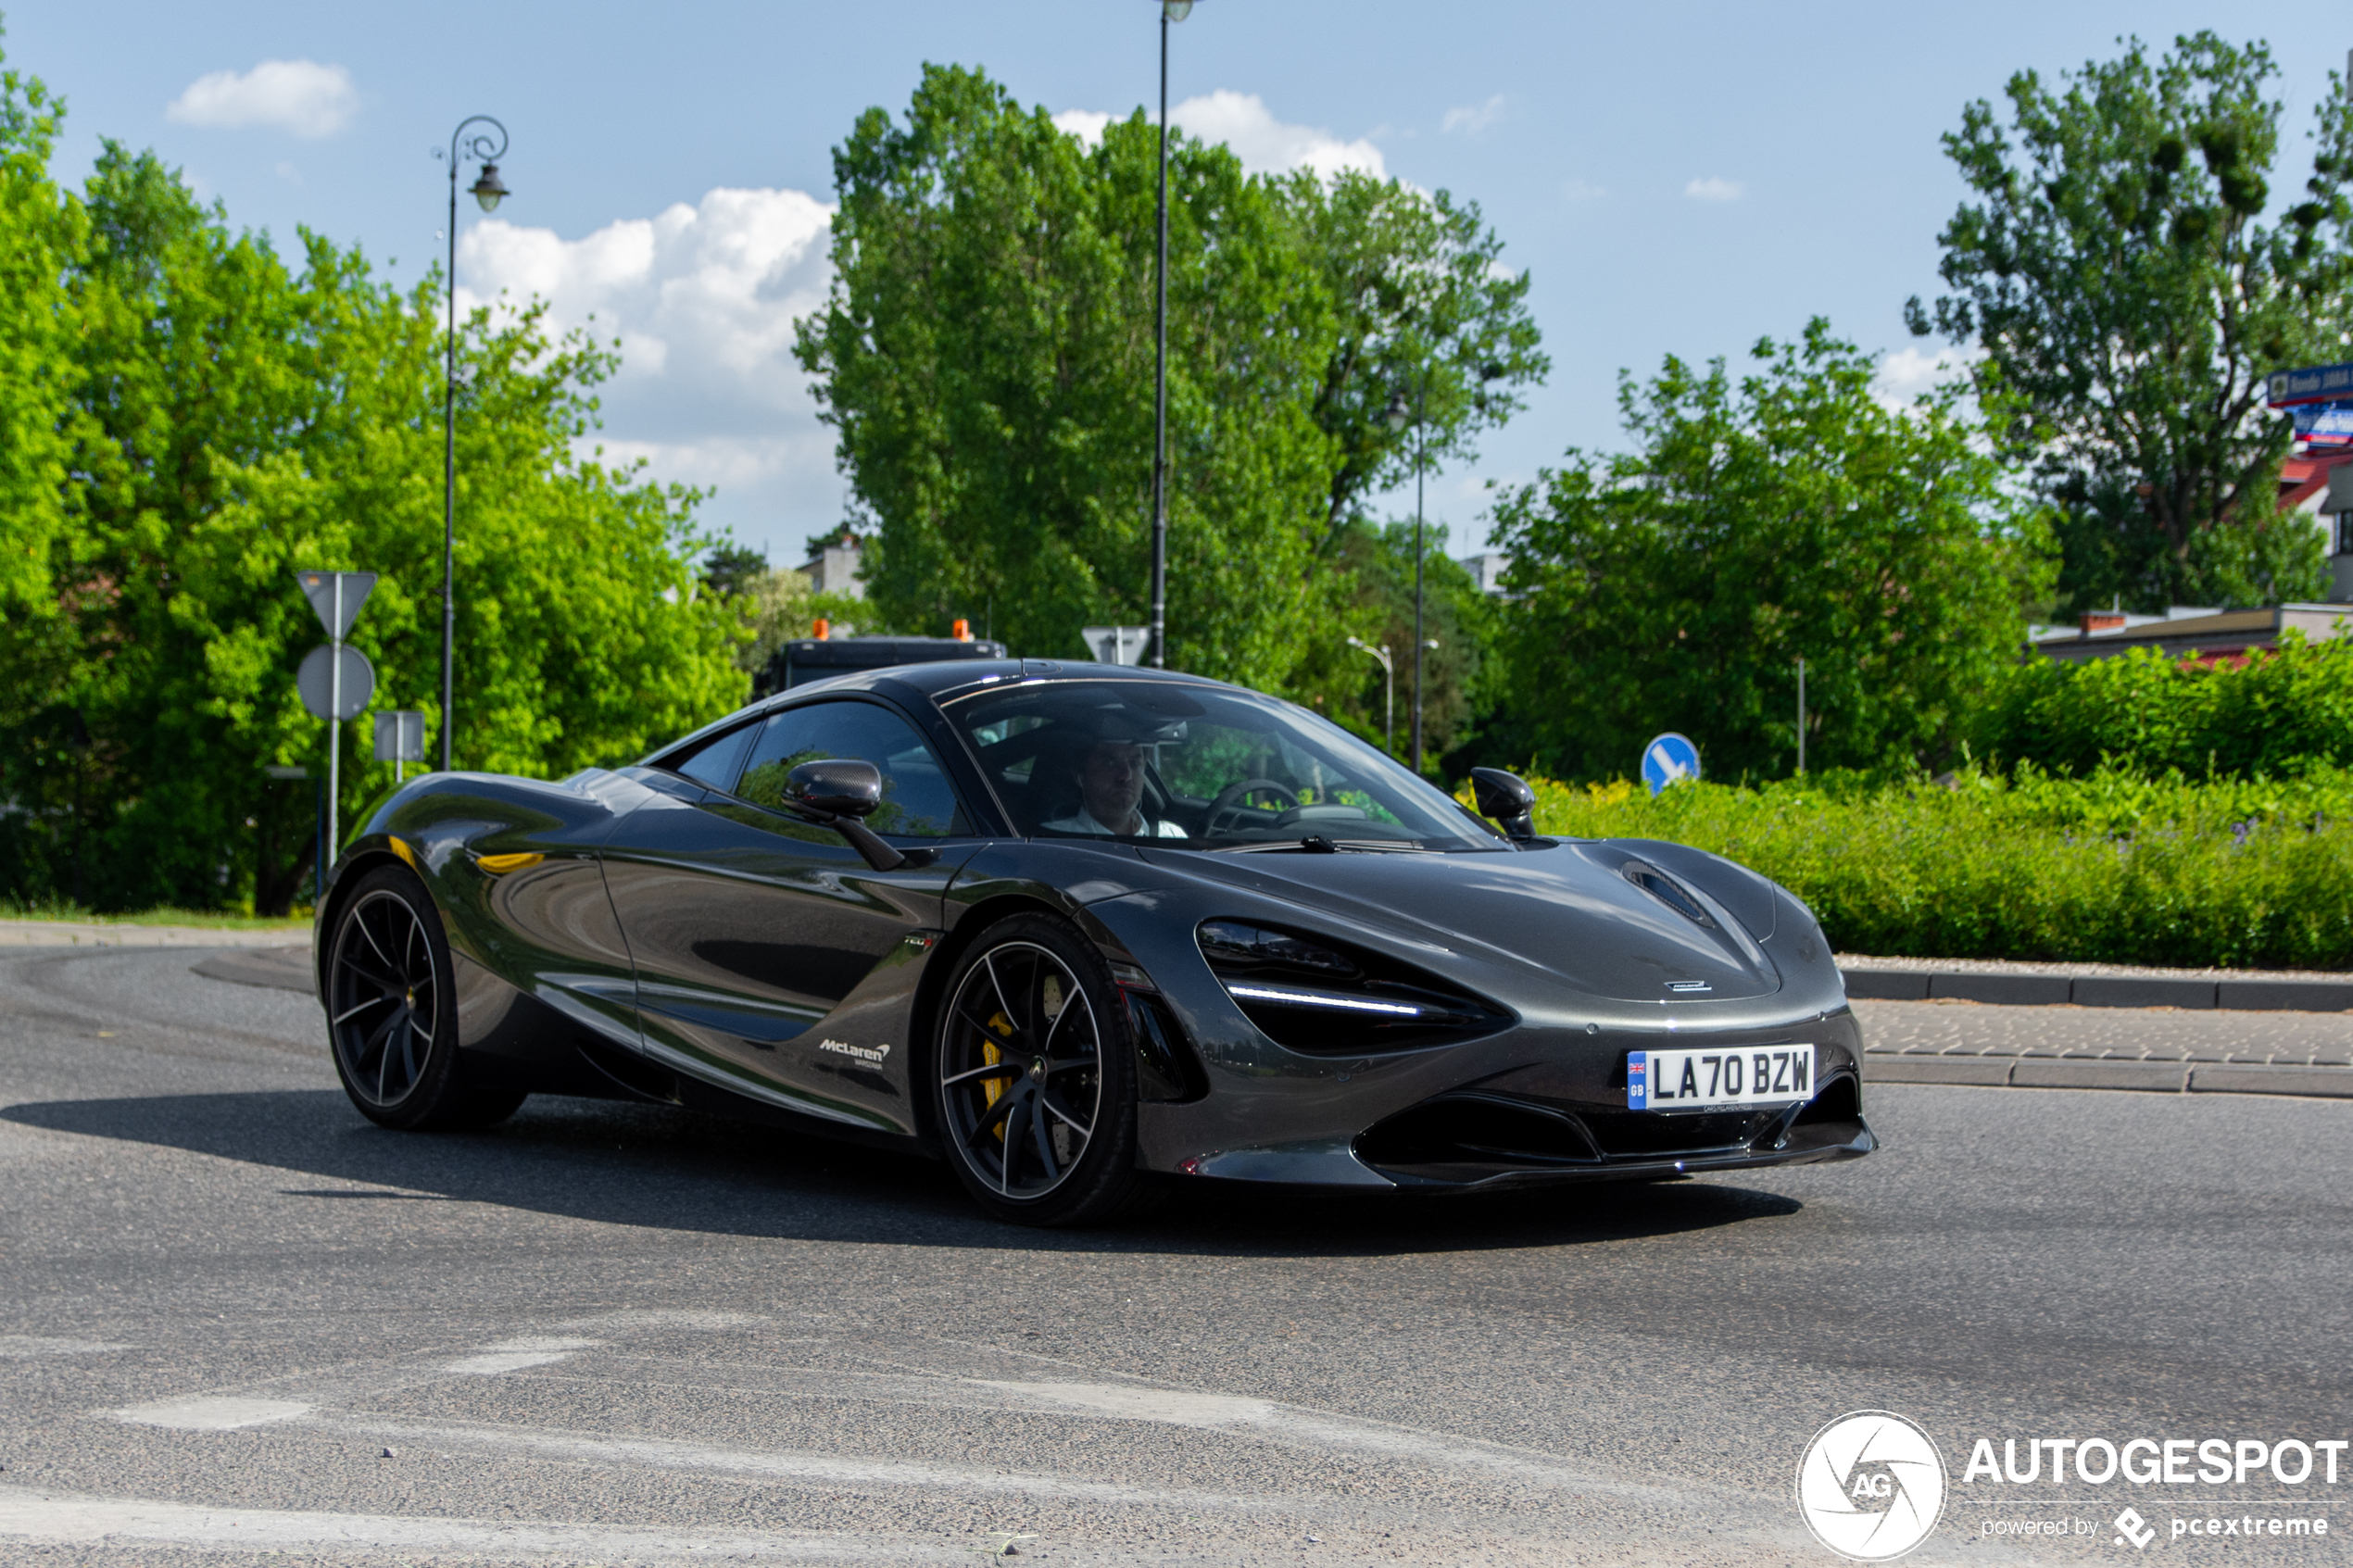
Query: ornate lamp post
1171 11
489 190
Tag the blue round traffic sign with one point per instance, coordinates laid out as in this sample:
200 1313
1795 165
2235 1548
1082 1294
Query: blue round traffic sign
1668 758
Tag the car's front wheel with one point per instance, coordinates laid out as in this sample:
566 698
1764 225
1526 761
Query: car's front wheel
392 1012
1035 1079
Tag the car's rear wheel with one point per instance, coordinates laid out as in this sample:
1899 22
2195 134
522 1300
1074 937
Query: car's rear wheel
1034 1077
392 1012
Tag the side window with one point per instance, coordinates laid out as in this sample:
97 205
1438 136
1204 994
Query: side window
716 760
918 802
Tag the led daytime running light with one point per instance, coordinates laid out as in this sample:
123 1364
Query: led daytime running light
1316 999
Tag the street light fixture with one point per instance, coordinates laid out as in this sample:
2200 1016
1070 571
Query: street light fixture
1170 11
1389 691
488 190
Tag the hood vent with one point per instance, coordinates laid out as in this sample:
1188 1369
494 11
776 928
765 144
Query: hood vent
1667 891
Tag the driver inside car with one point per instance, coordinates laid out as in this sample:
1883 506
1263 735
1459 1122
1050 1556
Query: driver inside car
1111 782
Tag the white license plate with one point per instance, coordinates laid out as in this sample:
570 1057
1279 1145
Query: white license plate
1694 1080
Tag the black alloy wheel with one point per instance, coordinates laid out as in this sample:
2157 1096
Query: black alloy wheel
1034 1075
392 1017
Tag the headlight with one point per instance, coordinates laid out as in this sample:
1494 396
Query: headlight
1313 995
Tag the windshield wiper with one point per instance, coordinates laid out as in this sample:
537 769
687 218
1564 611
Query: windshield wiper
1316 844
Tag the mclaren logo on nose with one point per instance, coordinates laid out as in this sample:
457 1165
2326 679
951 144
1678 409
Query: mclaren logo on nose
862 1053
1687 987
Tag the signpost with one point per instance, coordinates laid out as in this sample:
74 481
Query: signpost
400 737
1117 645
2318 399
1669 759
335 681
1801 718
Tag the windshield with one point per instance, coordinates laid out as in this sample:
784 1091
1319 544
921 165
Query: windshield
1198 768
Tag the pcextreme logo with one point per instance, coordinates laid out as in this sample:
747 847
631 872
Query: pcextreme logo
1871 1486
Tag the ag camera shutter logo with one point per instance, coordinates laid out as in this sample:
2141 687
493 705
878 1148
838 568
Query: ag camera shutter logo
1871 1486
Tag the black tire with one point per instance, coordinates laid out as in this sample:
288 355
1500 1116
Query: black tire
392 1012
1034 1077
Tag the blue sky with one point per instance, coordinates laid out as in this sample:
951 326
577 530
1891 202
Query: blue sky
1678 179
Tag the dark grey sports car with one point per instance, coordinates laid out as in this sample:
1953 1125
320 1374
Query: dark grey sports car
1069 925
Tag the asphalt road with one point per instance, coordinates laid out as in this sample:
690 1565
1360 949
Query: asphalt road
235 1318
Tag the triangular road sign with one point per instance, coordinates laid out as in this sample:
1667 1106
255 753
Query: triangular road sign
319 588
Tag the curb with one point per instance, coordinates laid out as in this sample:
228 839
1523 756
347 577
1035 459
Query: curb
2098 991
2148 1077
70 934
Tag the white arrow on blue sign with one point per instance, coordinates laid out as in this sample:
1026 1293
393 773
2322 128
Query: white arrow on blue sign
1667 759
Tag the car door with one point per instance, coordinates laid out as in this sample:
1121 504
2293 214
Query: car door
770 957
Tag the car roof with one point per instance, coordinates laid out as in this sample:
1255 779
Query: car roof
945 681
939 681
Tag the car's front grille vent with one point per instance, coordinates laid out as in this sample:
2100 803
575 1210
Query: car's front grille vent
1468 1137
1624 1133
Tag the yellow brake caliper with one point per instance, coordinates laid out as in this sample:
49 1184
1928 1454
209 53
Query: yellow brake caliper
994 1089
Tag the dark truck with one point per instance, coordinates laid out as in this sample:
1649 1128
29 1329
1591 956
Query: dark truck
814 658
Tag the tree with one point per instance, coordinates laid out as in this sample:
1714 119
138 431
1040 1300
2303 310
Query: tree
2129 299
237 421
41 235
987 357
729 569
1676 585
781 607
1348 687
1425 311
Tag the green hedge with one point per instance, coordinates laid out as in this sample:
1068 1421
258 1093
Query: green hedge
2116 867
2280 713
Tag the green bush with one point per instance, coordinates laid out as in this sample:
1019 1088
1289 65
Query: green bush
2277 713
2117 867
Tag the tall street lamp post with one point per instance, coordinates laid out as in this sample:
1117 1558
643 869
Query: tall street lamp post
1171 11
1398 416
1389 691
489 191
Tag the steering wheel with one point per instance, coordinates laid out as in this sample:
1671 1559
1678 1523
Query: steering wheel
1229 803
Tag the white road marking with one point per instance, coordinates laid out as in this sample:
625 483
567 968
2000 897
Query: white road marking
21 1346
622 1322
515 1355
67 1518
1323 1429
1147 1404
668 1453
212 1414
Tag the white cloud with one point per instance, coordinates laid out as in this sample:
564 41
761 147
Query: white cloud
704 299
1580 190
302 96
1712 189
1472 119
1905 374
1266 144
1084 124
1243 122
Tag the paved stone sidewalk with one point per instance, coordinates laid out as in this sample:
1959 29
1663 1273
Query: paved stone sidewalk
2152 1049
